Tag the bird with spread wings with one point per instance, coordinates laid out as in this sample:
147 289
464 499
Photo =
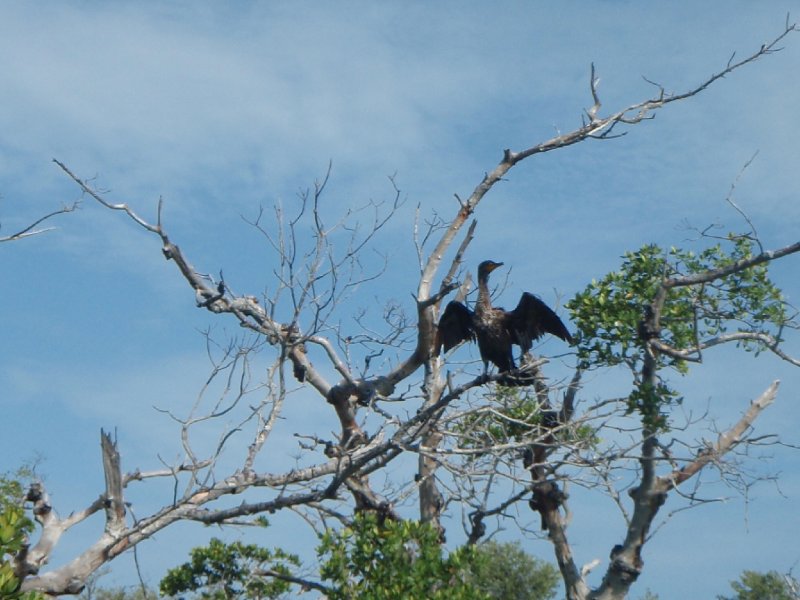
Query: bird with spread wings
495 329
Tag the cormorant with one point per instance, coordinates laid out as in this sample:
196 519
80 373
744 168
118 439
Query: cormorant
495 329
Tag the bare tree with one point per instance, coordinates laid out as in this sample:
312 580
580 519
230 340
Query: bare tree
479 447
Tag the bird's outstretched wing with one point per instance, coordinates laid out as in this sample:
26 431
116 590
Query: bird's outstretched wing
455 326
532 318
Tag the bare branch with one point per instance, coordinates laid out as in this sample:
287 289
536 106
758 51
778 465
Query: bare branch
693 354
740 265
305 584
32 230
121 207
114 500
724 444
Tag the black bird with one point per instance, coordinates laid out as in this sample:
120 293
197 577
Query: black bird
496 329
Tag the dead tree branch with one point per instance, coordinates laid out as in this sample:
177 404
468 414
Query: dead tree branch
32 230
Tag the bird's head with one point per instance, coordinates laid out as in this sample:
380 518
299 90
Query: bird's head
487 267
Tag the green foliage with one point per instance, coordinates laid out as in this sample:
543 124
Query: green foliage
14 527
753 585
221 571
516 416
370 560
648 400
393 560
506 572
609 312
14 530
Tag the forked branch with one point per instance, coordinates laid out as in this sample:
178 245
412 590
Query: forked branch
32 230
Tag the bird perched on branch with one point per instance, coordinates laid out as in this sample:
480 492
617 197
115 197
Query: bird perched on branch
495 329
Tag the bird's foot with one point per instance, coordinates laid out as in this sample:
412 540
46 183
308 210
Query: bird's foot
517 378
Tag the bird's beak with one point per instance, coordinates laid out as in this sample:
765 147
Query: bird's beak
495 265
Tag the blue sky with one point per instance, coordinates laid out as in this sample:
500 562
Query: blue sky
220 109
